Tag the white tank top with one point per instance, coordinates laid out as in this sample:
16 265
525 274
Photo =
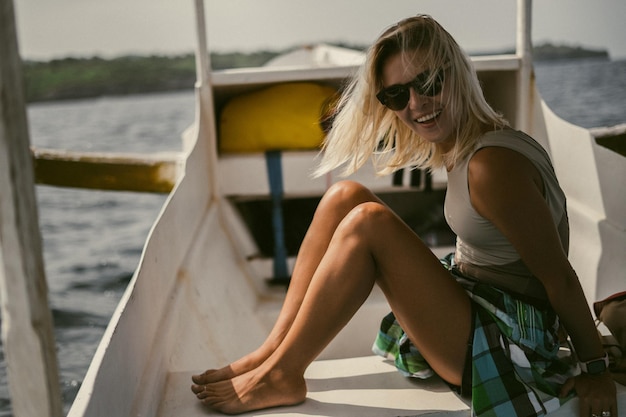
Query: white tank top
480 247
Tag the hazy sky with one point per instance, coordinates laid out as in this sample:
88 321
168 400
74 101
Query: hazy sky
58 28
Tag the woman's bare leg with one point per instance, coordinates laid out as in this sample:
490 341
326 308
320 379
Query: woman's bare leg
370 245
334 206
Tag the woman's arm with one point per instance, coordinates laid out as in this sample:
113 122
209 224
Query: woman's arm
506 189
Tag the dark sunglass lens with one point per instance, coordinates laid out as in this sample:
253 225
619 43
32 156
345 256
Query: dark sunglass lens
429 89
398 100
395 98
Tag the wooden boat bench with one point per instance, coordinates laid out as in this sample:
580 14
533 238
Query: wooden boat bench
359 387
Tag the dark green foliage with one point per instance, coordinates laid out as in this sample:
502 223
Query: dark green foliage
92 77
74 78
550 52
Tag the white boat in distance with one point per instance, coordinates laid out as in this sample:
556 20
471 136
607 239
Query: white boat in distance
200 297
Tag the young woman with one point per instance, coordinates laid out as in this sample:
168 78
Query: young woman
485 319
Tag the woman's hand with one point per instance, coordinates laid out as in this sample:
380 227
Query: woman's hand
596 394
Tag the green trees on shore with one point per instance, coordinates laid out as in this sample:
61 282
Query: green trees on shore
76 78
91 77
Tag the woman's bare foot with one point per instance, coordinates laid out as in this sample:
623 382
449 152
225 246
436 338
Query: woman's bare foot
257 389
239 367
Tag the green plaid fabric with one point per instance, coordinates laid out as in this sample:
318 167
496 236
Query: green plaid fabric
515 368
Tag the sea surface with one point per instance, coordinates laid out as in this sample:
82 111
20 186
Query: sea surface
93 239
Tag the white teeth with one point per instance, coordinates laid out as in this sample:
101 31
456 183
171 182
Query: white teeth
428 117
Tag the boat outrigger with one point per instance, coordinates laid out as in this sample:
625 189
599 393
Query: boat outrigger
218 253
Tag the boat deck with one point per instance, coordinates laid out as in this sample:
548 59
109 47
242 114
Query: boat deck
363 387
359 387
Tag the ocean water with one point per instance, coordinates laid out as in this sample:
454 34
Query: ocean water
93 239
589 93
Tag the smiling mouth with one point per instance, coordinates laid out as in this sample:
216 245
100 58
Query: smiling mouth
429 117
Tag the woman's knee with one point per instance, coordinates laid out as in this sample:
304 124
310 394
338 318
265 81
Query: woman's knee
369 217
348 194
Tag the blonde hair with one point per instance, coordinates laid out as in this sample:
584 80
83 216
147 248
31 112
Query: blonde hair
363 128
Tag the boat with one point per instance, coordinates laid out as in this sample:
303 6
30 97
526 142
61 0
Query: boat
212 274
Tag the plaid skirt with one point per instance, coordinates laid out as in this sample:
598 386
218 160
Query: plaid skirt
513 356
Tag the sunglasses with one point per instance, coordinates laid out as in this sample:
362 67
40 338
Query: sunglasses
396 97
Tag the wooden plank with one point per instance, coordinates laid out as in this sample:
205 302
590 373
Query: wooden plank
107 171
27 334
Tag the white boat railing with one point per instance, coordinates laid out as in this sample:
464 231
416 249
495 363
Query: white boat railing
27 333
524 54
205 113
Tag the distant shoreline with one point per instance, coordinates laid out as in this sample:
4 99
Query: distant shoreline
550 52
81 78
